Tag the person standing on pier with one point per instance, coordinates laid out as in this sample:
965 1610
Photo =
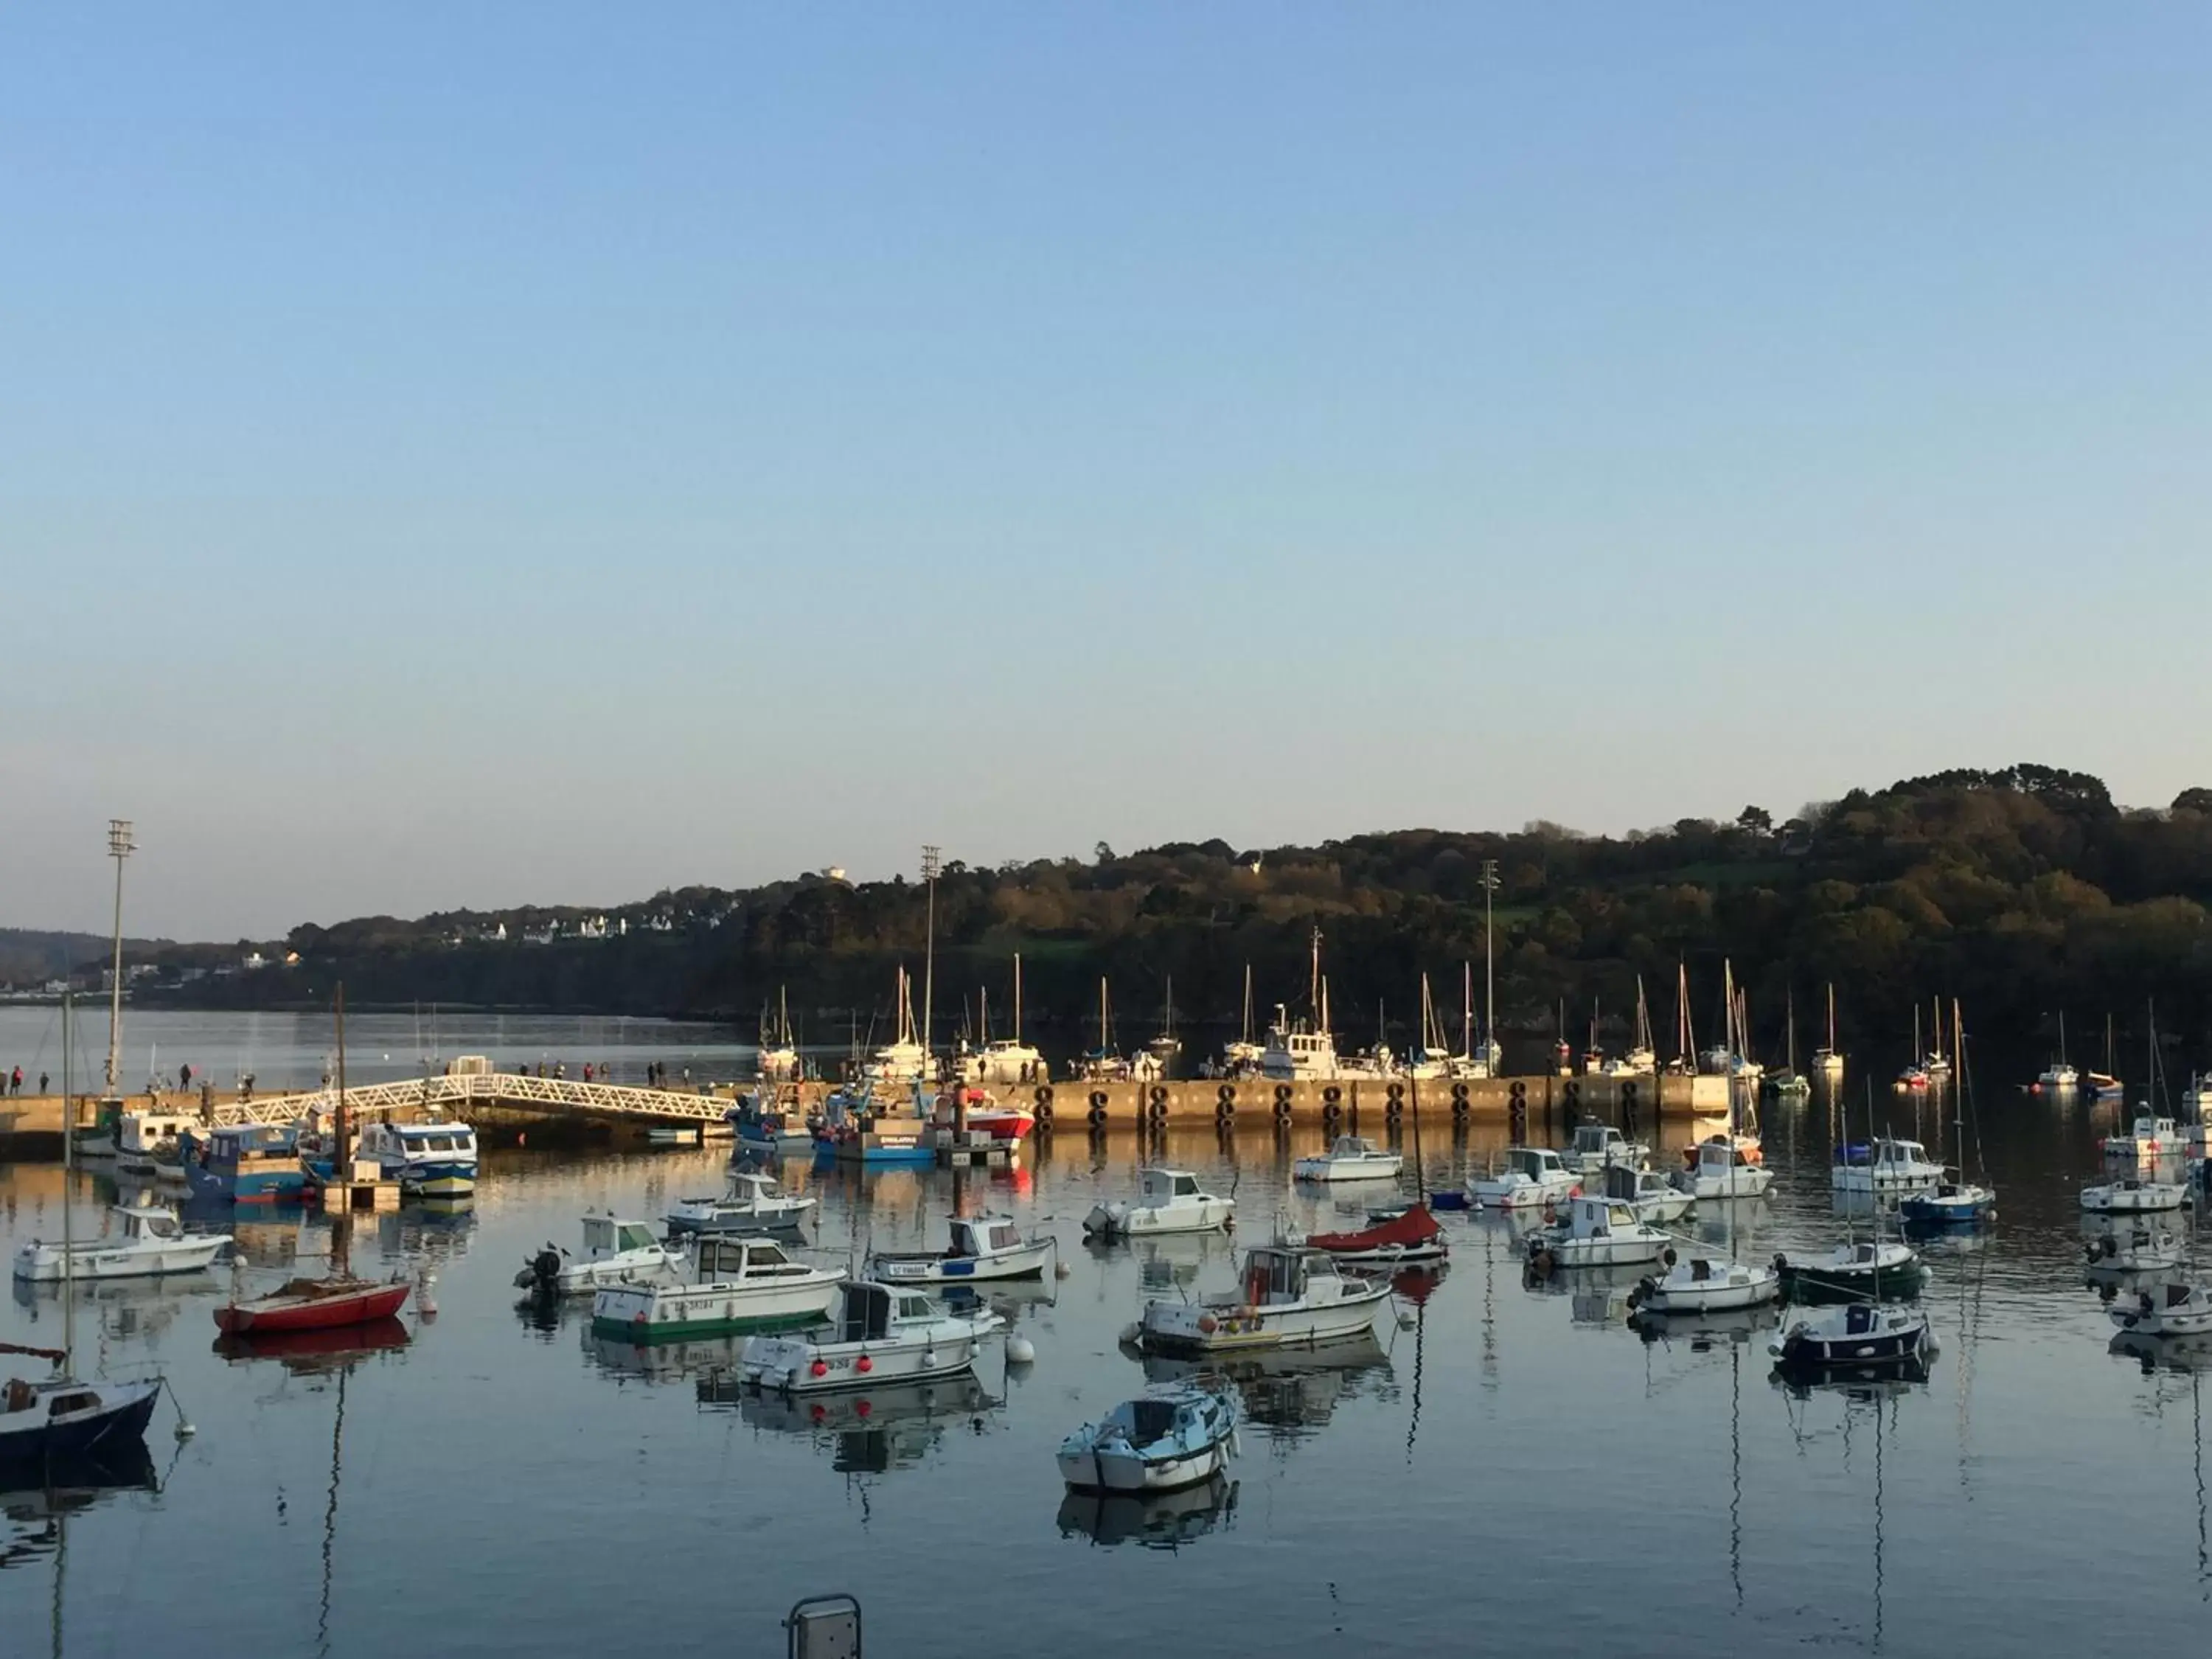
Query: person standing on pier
16 1082
42 1083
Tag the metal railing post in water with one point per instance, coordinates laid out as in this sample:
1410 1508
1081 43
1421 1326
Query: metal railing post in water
824 1627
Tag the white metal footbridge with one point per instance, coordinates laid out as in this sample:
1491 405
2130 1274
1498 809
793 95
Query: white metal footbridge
516 1090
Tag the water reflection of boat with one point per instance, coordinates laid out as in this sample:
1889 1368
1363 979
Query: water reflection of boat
37 1503
1165 1522
313 1350
2186 1354
662 1362
870 1433
1701 1331
1284 1390
1854 1382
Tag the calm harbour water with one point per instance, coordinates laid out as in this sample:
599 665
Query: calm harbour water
1517 1469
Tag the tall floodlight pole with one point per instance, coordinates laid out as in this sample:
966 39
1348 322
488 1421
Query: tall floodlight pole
929 869
120 847
1489 966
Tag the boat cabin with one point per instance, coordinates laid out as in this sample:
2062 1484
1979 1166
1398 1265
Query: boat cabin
1353 1147
751 1187
1162 1185
1278 1275
151 1132
431 1142
251 1145
1537 1162
150 1221
1601 1218
1714 1155
604 1236
988 1235
870 1311
724 1257
1624 1182
1600 1141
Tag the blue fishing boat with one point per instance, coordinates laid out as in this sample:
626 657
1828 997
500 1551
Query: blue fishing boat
428 1160
1950 1204
245 1163
764 1129
855 1130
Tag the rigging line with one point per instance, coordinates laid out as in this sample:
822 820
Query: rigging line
331 1521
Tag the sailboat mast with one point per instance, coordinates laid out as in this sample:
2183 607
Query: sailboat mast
1018 996
1489 959
1313 984
68 1142
342 1164
120 846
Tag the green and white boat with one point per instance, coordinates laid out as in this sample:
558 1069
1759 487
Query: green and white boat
738 1285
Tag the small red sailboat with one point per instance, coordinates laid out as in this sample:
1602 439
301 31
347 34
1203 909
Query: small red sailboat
1411 1236
314 1304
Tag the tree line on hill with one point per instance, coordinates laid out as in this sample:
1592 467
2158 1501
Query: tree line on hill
2020 891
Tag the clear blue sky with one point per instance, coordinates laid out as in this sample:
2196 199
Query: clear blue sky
481 454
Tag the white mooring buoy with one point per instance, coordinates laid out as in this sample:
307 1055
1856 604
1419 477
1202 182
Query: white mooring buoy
1020 1351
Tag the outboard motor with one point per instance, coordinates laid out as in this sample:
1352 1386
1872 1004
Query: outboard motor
541 1274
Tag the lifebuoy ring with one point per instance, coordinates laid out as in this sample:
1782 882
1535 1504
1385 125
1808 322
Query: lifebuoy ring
1668 1256
1459 1105
1518 1088
1044 1111
1330 1111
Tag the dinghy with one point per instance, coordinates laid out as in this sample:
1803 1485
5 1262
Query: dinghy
1167 1201
1287 1294
983 1247
1353 1158
314 1304
1170 1436
878 1333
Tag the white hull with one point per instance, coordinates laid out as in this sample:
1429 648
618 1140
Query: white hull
788 1363
647 1307
1746 1180
42 1264
1518 1195
1348 1168
1729 1292
1606 1252
1856 1178
2151 1199
1125 1471
1127 1221
1660 1207
1180 1327
632 1267
1022 1261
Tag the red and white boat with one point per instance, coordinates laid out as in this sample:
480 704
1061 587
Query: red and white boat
1390 1240
1748 1146
985 1114
314 1304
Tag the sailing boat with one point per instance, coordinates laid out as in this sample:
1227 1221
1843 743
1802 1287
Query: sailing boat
1788 1080
316 1305
1004 1060
2059 1075
1102 1063
1297 1050
903 1062
1914 1078
1829 1061
2106 1084
1243 1054
1741 1146
1161 1051
1953 1203
41 1423
779 1053
1641 1060
1394 1237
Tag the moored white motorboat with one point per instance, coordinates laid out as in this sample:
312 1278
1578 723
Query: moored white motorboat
1598 1146
1724 1170
1167 1201
739 1285
2133 1197
2058 1076
1534 1177
148 1143
1653 1197
1172 1436
877 1333
2173 1309
2149 1138
1705 1284
751 1202
1353 1157
615 1252
1596 1232
1749 1145
1893 1168
1854 1335
984 1247
151 1244
1286 1293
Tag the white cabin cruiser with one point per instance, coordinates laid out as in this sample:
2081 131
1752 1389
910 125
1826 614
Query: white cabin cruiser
1724 1170
152 1243
1353 1158
147 1142
1702 1284
752 1202
431 1160
1286 1293
1597 1145
2134 1197
1173 1436
984 1247
1653 1197
615 1252
1892 1167
739 1285
877 1333
1296 1053
1167 1201
1596 1232
2173 1309
1533 1178
2059 1075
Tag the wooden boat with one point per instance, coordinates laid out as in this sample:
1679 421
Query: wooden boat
245 1163
984 1247
313 1304
1178 1435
